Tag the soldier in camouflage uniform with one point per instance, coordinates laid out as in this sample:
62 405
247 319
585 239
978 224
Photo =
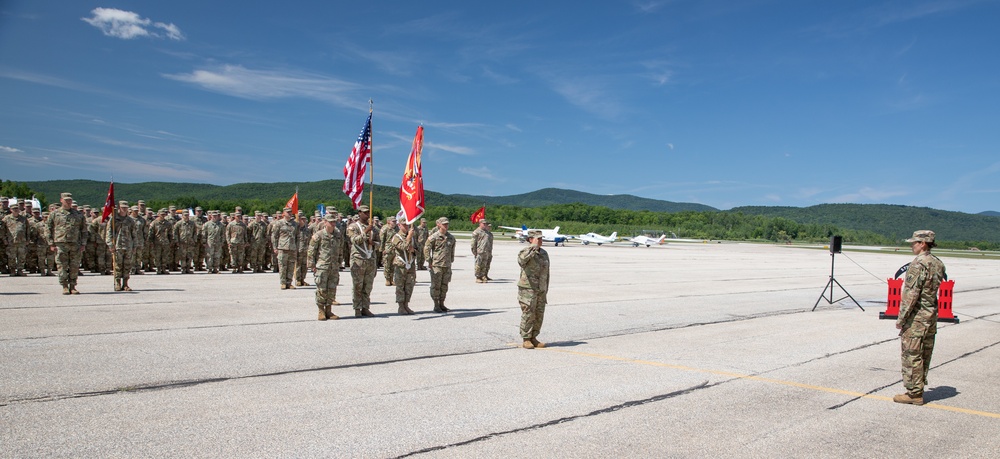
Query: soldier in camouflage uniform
532 289
237 236
215 240
286 245
16 227
421 240
918 313
403 252
46 257
384 235
199 254
324 255
258 242
224 222
94 230
302 254
140 240
270 247
121 237
67 231
31 250
440 254
363 240
482 249
159 236
102 254
186 237
345 248
4 211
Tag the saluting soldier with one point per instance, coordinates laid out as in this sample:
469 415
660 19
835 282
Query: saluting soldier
324 255
532 289
482 249
402 248
302 253
237 236
440 253
121 237
285 243
363 268
67 231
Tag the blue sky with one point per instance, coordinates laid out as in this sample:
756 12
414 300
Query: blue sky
724 103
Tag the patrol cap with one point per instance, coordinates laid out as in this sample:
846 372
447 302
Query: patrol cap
922 236
391 219
162 211
198 208
86 207
376 218
442 221
123 203
36 210
141 202
423 219
484 221
45 214
287 209
534 234
4 198
172 207
135 208
300 213
363 208
330 217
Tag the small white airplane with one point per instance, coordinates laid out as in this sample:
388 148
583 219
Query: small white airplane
548 235
645 240
597 238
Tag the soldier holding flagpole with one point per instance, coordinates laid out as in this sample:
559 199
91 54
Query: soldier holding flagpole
359 233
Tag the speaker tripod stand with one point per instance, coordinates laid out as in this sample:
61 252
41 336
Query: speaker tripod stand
829 285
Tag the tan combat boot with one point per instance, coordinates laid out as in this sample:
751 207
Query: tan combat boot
408 310
528 344
538 344
322 313
906 398
329 314
402 309
65 290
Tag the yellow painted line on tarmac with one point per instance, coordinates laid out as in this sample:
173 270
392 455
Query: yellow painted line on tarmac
768 380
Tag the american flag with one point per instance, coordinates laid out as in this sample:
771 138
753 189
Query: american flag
357 164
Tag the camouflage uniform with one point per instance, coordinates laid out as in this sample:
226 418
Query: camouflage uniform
482 249
16 228
215 240
403 251
186 237
67 231
121 237
385 235
440 254
46 257
421 239
285 242
532 290
159 236
90 251
32 253
199 254
324 255
345 248
302 254
140 241
236 234
918 312
362 265
102 254
258 244
270 247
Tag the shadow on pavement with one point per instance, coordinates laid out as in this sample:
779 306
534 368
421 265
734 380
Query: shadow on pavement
939 393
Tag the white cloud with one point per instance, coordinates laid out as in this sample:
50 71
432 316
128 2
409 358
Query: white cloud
868 194
670 146
481 172
513 127
7 149
239 81
128 25
458 150
589 94
106 163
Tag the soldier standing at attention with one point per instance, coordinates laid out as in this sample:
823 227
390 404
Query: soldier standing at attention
421 239
324 256
186 235
302 252
45 257
918 313
270 247
258 242
532 288
16 227
121 238
363 266
403 251
482 249
140 240
384 235
236 235
440 253
199 253
286 246
159 237
67 231
215 240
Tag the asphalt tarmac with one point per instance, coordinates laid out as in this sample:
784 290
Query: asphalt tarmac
680 350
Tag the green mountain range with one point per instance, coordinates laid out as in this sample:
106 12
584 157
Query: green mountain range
894 221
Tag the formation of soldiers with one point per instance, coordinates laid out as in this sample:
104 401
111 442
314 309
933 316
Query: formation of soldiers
134 240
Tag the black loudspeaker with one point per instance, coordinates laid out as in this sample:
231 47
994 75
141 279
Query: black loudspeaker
836 243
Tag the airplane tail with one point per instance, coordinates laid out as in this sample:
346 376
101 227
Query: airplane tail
614 236
660 240
524 227
556 230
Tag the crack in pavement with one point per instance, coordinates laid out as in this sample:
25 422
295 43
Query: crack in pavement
610 409
198 382
125 332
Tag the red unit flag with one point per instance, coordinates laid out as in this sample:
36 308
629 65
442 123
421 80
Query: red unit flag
411 191
109 203
478 215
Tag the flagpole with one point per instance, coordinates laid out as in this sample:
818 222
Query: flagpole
371 167
114 250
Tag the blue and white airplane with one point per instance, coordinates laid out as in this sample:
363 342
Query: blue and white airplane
548 235
598 239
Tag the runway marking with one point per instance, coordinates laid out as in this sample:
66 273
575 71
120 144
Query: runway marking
768 380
